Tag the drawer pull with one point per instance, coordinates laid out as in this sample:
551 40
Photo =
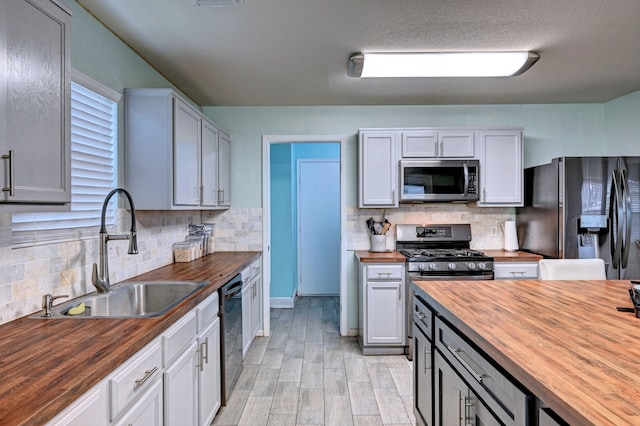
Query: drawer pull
456 354
147 376
386 274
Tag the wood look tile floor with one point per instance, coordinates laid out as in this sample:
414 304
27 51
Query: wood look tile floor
305 373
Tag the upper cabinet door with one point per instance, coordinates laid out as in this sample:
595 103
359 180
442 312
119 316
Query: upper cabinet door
501 172
378 169
35 96
456 144
419 144
438 144
209 164
186 155
224 169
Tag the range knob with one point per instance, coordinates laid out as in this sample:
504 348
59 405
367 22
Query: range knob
432 266
471 266
422 266
482 265
451 266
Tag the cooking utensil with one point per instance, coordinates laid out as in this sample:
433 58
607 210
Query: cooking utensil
370 223
386 227
377 227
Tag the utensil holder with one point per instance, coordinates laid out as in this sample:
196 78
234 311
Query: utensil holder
378 243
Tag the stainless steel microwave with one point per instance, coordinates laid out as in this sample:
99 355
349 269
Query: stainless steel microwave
438 180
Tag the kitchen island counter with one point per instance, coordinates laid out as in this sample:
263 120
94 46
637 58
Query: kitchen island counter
564 341
46 364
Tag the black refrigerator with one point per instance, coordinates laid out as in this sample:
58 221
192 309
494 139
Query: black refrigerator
584 207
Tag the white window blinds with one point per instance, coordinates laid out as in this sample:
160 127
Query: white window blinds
93 174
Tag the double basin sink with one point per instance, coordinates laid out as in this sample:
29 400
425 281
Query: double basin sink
137 299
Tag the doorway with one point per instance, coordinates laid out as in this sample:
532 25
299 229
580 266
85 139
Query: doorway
318 219
273 212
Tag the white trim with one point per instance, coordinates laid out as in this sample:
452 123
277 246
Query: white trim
267 140
95 86
283 302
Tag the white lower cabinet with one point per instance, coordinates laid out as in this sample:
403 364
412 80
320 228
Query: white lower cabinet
251 304
209 391
180 389
89 409
146 411
174 380
382 308
515 270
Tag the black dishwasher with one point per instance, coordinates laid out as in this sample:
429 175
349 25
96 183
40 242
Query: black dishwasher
230 296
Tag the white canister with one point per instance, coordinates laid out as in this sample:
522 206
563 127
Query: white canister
510 236
378 243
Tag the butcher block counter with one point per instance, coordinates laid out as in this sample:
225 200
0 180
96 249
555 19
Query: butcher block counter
46 364
512 256
380 257
564 341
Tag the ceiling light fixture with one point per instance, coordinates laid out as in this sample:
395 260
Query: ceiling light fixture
441 64
218 3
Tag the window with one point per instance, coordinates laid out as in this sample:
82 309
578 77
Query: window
93 170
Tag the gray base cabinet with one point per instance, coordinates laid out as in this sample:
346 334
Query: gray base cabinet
382 308
35 104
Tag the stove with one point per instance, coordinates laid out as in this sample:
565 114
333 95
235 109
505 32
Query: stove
442 252
438 252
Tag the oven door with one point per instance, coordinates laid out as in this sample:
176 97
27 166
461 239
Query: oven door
438 180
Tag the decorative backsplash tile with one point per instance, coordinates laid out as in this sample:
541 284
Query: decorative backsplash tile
26 274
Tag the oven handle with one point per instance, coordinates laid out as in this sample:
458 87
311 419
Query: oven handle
417 276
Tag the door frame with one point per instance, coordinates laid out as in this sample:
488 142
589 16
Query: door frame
298 206
267 140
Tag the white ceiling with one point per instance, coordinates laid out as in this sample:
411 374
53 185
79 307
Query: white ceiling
295 52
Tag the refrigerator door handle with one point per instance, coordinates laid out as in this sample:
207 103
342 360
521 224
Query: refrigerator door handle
615 213
626 198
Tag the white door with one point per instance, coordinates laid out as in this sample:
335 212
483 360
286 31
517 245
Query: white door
318 227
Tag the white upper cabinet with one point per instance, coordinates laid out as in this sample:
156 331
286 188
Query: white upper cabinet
35 99
501 172
378 169
438 144
224 170
175 157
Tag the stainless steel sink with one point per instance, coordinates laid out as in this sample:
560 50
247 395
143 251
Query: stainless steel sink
141 299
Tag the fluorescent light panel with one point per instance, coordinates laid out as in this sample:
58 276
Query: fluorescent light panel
218 3
441 64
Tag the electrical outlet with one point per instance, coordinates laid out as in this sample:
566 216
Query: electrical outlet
494 231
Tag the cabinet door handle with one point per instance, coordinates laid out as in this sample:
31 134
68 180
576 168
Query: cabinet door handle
147 376
11 188
427 360
205 352
399 293
468 411
456 353
420 315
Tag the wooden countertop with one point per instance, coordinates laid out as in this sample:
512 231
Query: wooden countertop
512 256
379 257
563 340
46 364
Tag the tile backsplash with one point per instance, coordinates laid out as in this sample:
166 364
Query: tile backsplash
26 274
482 220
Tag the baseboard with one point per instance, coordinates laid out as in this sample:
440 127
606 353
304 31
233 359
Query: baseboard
283 302
351 332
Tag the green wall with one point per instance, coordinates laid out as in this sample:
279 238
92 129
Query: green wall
550 131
